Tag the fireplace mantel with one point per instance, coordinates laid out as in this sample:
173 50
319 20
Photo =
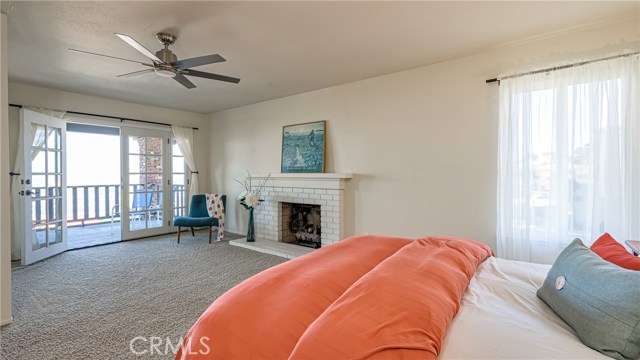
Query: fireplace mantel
335 181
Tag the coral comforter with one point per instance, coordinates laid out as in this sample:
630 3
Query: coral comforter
367 297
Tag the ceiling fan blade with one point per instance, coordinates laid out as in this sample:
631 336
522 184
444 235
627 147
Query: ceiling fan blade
198 61
109 56
211 76
184 81
135 73
136 45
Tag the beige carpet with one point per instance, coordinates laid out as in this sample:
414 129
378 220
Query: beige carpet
90 304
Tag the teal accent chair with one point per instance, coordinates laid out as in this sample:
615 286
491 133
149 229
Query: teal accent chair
198 215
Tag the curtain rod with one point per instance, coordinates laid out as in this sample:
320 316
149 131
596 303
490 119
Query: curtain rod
122 119
558 67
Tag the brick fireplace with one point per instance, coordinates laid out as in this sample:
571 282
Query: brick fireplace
301 224
324 192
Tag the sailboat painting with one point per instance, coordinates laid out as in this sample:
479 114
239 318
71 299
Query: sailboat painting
303 147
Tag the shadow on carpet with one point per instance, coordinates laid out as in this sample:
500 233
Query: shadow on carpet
91 303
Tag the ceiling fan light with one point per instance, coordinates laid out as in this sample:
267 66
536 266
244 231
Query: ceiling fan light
165 73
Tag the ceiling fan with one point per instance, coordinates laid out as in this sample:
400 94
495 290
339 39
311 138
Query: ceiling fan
166 64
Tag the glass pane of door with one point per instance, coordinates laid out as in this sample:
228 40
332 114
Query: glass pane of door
146 156
46 149
178 181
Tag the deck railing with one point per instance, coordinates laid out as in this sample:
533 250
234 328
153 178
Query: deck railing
95 202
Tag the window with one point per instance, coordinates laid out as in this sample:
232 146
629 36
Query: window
179 181
569 158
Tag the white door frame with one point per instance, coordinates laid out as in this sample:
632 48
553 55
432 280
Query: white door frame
125 209
29 255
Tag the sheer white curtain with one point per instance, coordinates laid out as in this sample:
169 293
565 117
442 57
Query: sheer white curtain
184 138
569 158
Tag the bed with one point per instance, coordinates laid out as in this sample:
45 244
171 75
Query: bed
501 317
382 297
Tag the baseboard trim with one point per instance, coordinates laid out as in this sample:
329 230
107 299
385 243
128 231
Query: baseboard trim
6 322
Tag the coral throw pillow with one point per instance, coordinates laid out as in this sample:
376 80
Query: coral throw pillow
609 249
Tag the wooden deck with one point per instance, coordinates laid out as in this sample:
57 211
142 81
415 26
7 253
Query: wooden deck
90 235
97 234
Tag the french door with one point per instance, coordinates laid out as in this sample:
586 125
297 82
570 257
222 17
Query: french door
146 196
43 186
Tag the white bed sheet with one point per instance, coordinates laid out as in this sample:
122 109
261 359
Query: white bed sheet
502 318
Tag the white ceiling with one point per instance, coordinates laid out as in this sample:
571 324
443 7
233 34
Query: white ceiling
276 48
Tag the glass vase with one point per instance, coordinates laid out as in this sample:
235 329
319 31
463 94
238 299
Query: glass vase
251 236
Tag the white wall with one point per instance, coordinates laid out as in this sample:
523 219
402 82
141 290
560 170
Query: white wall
5 219
422 143
57 99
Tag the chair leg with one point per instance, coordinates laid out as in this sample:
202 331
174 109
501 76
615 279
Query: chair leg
192 233
210 234
178 234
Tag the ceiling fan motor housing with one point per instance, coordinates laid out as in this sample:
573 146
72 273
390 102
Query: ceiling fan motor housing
167 56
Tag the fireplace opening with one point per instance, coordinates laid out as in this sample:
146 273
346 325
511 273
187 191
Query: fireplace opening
300 224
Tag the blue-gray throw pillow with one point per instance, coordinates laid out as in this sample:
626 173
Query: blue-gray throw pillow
599 300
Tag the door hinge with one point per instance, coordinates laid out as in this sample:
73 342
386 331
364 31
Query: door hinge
168 182
169 141
168 223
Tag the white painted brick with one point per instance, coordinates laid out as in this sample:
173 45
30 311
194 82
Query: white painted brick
268 220
330 211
